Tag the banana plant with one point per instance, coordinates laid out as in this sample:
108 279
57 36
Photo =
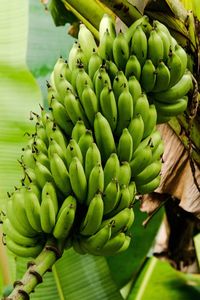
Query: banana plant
72 273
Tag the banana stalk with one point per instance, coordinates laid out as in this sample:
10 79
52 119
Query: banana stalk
36 269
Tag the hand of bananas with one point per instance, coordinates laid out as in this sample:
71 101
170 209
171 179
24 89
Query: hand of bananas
98 145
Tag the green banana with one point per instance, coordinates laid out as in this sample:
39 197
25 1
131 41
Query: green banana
104 137
82 79
106 24
120 50
60 174
148 76
136 130
113 245
43 159
125 146
86 41
54 147
178 91
125 245
155 47
76 55
65 218
149 187
73 150
56 134
139 44
142 107
49 189
92 158
108 106
33 210
78 180
85 142
124 176
166 42
119 221
78 130
125 110
94 64
93 218
157 151
16 236
174 65
61 117
135 89
111 169
90 103
150 125
111 69
132 190
160 27
149 173
162 77
119 82
183 57
111 196
106 46
74 108
141 159
48 213
28 157
172 109
96 241
133 67
124 199
95 182
23 251
101 78
144 21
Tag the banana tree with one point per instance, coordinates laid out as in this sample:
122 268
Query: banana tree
178 193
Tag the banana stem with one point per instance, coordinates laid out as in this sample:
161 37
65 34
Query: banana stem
124 10
36 270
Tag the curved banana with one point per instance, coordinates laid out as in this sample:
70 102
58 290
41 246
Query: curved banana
166 42
106 46
178 91
60 174
92 158
125 146
49 189
73 150
108 106
78 130
90 103
132 191
150 125
139 44
16 236
93 218
111 196
155 47
136 130
82 79
172 109
113 245
148 76
149 173
106 24
125 110
141 159
104 137
111 169
47 213
95 182
28 157
124 176
135 89
124 199
120 50
112 69
94 64
175 67
33 210
142 107
119 82
86 41
78 180
183 57
101 78
23 251
133 67
157 151
144 21
85 142
64 221
162 78
149 187
54 147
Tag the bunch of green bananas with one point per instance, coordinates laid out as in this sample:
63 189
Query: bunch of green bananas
98 145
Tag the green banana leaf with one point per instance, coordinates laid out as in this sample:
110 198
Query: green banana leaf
159 280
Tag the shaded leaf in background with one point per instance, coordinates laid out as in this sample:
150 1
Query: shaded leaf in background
126 265
159 280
